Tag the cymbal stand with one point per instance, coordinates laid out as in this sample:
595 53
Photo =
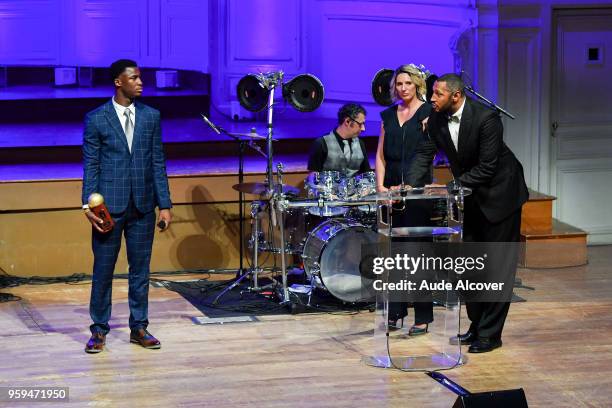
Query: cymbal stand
255 211
270 81
241 205
241 274
241 147
255 269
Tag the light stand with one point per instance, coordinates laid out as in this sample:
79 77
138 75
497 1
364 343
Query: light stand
305 93
281 222
269 169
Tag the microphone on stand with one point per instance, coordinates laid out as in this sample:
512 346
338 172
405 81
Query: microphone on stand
468 87
97 206
210 124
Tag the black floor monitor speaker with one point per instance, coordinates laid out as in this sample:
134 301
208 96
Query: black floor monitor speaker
496 399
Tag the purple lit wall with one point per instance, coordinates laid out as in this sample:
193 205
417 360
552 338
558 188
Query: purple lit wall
344 43
157 33
509 48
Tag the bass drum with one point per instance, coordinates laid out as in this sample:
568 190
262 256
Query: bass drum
334 252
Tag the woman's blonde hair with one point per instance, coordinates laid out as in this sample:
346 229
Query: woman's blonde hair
416 75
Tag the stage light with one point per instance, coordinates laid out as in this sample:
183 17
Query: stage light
251 94
304 92
380 87
429 83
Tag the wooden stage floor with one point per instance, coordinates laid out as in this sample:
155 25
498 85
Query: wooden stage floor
557 346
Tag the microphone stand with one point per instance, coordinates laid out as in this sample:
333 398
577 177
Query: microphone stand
269 81
241 147
488 102
465 77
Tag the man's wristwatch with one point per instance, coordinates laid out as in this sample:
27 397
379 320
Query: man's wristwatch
86 208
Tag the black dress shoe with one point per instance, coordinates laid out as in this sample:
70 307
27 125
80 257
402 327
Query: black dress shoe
395 324
484 346
417 331
465 339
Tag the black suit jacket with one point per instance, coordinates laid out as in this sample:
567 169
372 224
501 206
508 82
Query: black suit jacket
483 163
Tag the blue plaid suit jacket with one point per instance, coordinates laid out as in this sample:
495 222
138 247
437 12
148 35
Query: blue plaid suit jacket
111 170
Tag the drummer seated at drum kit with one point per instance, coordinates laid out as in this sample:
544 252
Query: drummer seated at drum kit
341 150
339 166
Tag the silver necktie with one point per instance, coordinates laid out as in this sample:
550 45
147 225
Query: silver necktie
347 150
129 128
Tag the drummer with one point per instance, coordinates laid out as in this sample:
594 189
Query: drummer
341 150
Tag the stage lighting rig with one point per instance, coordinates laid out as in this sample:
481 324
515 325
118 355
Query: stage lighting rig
304 92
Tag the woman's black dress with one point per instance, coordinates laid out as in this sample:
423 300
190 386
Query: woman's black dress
398 150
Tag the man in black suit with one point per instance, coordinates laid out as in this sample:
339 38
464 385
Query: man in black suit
471 135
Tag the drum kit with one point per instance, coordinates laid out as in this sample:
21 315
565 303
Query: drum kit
332 229
323 231
329 228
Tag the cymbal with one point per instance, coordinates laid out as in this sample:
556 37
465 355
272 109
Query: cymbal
254 136
261 188
251 135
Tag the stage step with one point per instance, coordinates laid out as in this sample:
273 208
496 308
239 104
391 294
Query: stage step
563 245
547 242
537 213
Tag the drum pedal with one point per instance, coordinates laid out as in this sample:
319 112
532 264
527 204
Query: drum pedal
297 288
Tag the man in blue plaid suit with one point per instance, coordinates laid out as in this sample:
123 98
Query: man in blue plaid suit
123 160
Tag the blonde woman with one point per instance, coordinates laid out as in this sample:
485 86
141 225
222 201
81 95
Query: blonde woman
400 133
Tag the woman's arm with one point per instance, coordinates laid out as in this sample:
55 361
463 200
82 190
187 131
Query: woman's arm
380 161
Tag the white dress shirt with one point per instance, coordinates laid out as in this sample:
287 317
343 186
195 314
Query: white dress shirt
454 122
121 115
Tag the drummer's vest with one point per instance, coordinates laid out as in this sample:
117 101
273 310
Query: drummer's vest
335 156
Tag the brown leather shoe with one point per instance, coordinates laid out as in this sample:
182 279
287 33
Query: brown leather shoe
96 343
144 338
